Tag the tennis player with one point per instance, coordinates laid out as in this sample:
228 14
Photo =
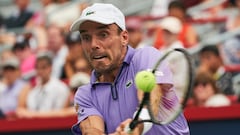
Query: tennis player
107 104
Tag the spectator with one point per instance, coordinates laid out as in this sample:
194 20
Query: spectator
187 35
230 48
24 52
82 65
171 27
211 62
13 86
231 51
57 46
236 85
49 92
76 81
20 17
205 92
40 17
73 42
134 26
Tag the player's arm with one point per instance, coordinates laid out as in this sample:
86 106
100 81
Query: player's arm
92 125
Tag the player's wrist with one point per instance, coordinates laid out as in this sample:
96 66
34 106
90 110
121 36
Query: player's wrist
92 131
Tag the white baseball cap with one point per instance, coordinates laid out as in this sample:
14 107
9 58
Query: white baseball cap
79 79
11 62
171 24
100 13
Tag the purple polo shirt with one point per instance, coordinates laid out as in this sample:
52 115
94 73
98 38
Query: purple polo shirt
115 102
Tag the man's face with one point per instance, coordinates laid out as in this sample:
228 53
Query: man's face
43 69
55 38
103 45
135 37
11 74
211 61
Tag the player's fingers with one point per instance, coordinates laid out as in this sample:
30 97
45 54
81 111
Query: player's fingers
123 125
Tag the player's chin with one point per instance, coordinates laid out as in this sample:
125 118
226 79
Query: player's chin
101 68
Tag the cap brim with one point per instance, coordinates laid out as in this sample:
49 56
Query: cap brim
103 20
9 66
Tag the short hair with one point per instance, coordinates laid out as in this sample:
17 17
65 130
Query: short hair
119 30
72 38
47 56
177 4
205 78
210 48
22 42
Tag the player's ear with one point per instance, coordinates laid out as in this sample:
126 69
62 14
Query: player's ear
124 38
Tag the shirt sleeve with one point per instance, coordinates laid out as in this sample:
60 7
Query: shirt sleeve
84 107
146 58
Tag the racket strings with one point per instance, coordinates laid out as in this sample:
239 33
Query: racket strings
155 100
168 108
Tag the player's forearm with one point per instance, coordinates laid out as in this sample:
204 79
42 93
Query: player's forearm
93 125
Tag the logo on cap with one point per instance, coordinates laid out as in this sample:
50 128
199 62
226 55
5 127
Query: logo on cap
89 13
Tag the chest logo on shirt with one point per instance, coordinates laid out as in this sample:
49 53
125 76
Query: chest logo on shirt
129 83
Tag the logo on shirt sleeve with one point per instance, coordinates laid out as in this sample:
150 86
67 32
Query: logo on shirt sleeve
76 107
79 109
157 72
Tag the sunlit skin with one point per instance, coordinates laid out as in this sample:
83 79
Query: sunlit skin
177 12
55 38
169 37
11 75
211 61
24 53
135 37
43 69
203 92
104 47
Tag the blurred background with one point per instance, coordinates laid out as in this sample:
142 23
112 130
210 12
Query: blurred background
42 64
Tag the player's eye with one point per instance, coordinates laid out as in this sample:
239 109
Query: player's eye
86 38
103 34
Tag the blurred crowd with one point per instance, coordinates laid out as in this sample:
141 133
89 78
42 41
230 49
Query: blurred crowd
42 63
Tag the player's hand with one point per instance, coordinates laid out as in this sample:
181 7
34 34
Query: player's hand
121 129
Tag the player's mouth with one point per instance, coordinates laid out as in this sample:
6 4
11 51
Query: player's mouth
98 57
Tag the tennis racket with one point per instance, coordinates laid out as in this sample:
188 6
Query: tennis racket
159 113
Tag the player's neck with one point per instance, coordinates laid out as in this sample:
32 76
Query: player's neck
107 77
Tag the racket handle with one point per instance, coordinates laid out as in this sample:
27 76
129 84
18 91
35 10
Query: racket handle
144 115
146 127
127 129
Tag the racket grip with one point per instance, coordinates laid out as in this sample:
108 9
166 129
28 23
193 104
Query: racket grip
127 129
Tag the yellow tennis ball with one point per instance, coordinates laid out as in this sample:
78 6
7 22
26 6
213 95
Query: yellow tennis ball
145 81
